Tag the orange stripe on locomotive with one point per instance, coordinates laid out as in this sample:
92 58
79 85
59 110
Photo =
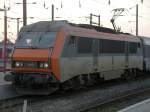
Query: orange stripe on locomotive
57 53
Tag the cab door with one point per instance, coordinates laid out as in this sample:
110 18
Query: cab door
95 54
126 55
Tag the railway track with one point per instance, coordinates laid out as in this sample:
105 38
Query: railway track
8 92
75 101
8 95
122 98
86 99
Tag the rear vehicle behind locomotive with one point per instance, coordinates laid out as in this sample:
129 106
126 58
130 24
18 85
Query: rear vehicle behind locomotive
146 53
50 54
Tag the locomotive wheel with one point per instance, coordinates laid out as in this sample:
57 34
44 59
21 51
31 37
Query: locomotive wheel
76 83
70 84
95 78
134 73
66 85
129 74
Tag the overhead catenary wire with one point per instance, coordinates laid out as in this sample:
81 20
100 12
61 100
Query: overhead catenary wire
83 7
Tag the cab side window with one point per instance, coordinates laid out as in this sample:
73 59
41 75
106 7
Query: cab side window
133 47
72 41
111 46
84 45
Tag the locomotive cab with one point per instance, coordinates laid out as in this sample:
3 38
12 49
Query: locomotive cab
32 57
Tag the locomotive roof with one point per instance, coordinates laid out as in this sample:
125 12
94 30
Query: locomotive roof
146 40
44 26
79 30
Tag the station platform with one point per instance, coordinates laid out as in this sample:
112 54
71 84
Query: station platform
143 106
6 89
2 74
2 81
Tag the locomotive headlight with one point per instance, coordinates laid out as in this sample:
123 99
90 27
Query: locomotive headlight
45 65
19 64
41 65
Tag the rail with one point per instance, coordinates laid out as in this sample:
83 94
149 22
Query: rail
83 100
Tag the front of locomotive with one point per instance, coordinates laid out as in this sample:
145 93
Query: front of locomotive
31 60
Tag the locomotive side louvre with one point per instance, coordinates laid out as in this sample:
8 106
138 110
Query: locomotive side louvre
87 52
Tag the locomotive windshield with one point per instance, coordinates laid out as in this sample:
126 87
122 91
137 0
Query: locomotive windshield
36 39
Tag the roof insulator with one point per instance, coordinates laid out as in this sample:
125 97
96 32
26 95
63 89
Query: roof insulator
109 2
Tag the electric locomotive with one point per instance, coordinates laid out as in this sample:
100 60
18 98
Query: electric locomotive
49 55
